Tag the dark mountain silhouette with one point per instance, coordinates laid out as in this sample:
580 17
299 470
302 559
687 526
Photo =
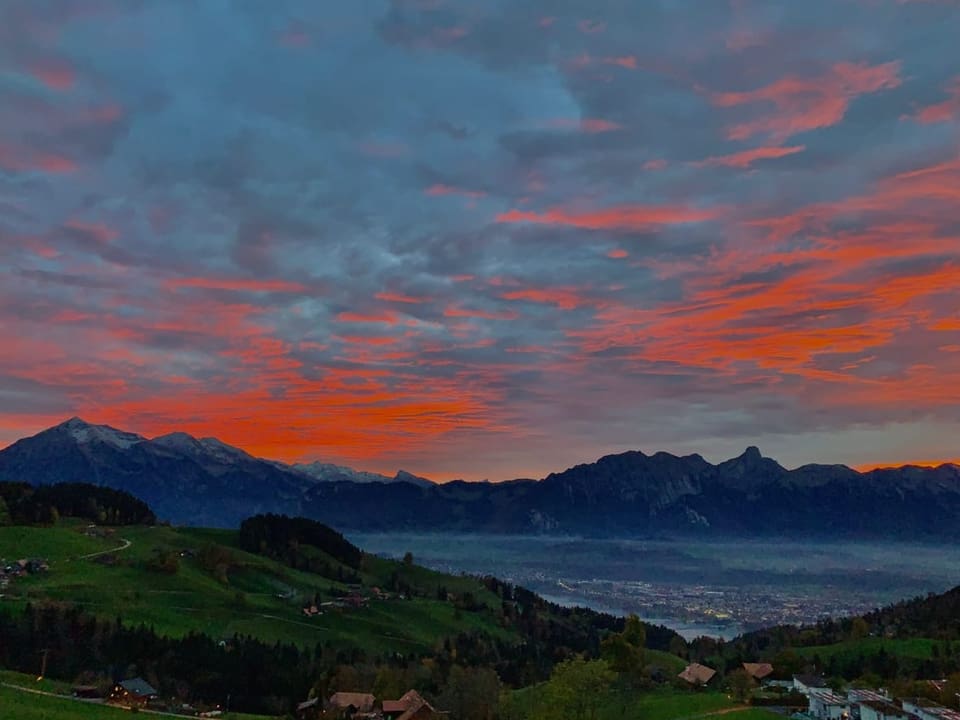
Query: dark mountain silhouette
630 494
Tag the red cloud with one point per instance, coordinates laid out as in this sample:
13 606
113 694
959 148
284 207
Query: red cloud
943 111
439 189
237 284
100 232
460 312
55 74
17 160
563 298
627 62
400 298
747 157
802 104
388 318
623 217
584 125
56 164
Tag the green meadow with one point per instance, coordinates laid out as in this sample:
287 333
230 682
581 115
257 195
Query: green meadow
253 595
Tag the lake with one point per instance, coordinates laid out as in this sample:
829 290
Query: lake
716 588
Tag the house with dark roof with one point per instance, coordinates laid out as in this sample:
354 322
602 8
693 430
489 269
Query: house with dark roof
883 710
135 692
928 710
309 709
806 683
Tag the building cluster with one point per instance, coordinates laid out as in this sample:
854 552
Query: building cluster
18 568
353 600
698 675
826 704
364 706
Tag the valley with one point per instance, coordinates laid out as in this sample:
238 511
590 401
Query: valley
715 588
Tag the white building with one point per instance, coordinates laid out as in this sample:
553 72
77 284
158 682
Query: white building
805 684
928 710
855 697
882 710
827 705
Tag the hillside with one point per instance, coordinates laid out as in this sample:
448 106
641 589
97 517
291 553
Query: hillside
205 482
197 610
213 586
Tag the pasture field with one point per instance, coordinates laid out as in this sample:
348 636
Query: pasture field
250 595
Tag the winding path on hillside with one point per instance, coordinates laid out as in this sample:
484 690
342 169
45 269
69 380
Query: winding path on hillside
124 544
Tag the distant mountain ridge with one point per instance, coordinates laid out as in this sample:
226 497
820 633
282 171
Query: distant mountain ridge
185 479
629 494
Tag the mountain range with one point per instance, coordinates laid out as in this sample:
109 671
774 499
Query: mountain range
207 482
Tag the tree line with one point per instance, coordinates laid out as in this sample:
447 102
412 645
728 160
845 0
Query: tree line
24 504
287 539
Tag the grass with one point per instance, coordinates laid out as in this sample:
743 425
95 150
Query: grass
24 705
914 648
751 714
671 664
659 704
673 704
260 597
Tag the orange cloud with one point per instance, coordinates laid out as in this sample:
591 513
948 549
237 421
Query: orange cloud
746 158
563 298
387 318
236 284
455 311
441 189
943 111
802 104
101 232
56 75
623 217
400 298
19 160
590 126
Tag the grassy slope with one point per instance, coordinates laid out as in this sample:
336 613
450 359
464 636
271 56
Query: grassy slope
917 648
30 706
661 704
248 603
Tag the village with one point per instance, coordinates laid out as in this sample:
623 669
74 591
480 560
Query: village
826 703
9 572
138 694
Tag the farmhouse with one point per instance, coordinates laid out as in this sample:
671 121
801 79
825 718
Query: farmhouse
697 674
411 706
132 693
351 704
758 671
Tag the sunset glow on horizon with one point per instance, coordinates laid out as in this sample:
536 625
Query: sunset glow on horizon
485 240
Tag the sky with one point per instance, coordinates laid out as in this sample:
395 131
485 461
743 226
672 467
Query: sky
485 239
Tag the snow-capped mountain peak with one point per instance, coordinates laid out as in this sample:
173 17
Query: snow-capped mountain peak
84 433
